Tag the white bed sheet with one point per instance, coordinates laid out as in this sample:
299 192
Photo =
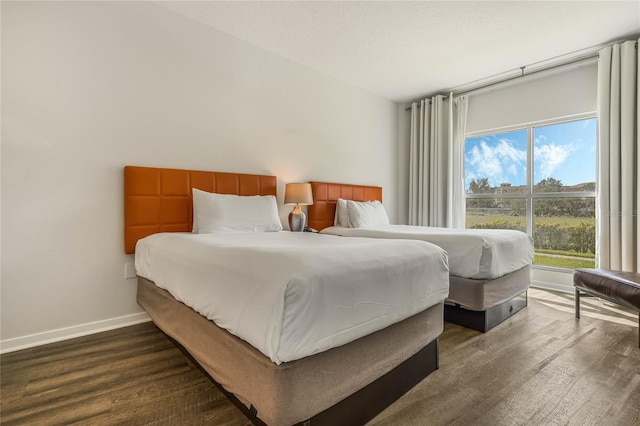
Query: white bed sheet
473 253
292 295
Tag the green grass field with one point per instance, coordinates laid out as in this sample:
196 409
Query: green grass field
563 262
566 253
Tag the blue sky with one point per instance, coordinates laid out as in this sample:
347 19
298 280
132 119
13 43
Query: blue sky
566 152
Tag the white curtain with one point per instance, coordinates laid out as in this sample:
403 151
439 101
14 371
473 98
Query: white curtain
436 156
618 158
456 205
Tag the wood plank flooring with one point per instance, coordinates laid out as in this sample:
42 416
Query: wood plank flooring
540 367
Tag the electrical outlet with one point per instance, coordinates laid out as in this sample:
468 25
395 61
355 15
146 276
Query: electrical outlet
129 270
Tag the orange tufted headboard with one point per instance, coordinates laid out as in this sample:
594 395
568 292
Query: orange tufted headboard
160 200
323 209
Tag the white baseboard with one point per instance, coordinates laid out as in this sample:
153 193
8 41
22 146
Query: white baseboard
24 342
552 286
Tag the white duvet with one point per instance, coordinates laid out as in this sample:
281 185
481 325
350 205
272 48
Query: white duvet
291 295
473 253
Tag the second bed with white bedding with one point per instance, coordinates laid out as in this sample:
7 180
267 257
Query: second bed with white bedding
291 295
473 253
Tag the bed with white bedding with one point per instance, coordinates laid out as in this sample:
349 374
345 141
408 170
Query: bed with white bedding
489 269
473 253
293 327
291 295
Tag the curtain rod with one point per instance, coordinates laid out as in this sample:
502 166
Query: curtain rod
538 67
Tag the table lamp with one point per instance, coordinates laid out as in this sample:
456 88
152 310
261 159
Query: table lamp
297 194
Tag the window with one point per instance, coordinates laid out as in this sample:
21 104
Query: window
540 179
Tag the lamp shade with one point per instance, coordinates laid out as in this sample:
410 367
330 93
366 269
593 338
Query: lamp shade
298 193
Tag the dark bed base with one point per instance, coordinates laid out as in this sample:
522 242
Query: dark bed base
365 404
484 320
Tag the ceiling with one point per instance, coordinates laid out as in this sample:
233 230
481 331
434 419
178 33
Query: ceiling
403 50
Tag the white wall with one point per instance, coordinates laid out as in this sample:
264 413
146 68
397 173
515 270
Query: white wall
90 87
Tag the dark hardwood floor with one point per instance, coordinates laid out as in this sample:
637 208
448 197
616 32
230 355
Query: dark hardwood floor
540 367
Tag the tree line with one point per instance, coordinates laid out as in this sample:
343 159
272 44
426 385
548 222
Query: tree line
544 207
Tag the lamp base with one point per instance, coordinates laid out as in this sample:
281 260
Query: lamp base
297 219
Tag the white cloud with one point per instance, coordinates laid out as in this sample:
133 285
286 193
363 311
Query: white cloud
500 162
549 158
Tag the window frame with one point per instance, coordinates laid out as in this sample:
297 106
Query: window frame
530 194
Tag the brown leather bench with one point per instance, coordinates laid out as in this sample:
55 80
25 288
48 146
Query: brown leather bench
622 288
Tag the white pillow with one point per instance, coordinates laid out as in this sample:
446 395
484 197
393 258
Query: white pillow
369 214
234 214
342 214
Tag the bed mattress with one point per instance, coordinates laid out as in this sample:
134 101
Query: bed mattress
473 253
291 295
